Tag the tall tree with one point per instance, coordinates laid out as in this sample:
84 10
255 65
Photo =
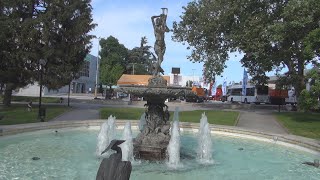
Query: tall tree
55 31
67 42
140 59
19 44
272 34
113 60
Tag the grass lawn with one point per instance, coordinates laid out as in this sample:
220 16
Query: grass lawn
301 124
214 117
33 99
18 114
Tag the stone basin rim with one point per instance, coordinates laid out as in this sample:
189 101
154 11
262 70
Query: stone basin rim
297 142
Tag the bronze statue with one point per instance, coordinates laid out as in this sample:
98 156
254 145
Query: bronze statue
160 27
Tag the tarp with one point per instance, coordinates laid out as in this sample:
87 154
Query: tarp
128 79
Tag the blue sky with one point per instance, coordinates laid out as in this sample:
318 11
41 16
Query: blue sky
129 20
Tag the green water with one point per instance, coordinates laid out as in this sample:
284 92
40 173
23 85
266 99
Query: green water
70 154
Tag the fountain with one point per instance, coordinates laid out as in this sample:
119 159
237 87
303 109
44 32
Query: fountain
69 156
174 146
127 146
106 135
152 142
204 141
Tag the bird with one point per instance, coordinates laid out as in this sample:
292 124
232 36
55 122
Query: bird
113 168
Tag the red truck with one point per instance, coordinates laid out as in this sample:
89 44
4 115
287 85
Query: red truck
278 96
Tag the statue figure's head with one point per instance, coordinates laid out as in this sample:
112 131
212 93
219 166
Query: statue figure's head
158 21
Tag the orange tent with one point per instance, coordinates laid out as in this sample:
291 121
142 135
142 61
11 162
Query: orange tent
128 79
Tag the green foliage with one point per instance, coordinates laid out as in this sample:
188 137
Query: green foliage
67 42
307 101
312 45
140 59
18 54
55 31
110 74
270 34
314 76
113 60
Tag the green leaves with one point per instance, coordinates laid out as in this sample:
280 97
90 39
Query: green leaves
113 60
53 30
272 34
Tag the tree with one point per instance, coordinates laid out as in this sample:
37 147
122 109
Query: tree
309 98
113 60
140 59
66 28
54 30
18 54
271 34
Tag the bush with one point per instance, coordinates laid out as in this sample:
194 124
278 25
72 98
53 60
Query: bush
307 101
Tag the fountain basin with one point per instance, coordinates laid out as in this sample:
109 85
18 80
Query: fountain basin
71 155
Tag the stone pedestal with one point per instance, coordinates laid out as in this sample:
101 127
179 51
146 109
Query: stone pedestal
152 142
152 153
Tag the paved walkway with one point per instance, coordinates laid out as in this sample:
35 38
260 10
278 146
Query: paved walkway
260 121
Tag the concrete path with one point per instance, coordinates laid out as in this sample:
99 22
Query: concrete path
261 121
78 114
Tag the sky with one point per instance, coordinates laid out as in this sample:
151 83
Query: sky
129 20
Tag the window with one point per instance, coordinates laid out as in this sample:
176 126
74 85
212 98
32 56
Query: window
262 90
236 92
85 69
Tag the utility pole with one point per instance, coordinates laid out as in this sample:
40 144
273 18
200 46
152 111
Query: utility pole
97 71
193 74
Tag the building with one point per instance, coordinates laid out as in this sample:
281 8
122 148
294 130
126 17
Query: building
141 80
181 80
84 84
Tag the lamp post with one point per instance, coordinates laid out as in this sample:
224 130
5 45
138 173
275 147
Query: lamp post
41 113
193 74
97 71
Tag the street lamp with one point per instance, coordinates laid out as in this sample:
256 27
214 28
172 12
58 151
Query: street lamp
97 71
193 74
41 112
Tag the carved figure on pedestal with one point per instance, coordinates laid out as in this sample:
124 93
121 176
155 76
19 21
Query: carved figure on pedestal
160 27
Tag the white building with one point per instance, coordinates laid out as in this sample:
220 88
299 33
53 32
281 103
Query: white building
181 80
84 84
